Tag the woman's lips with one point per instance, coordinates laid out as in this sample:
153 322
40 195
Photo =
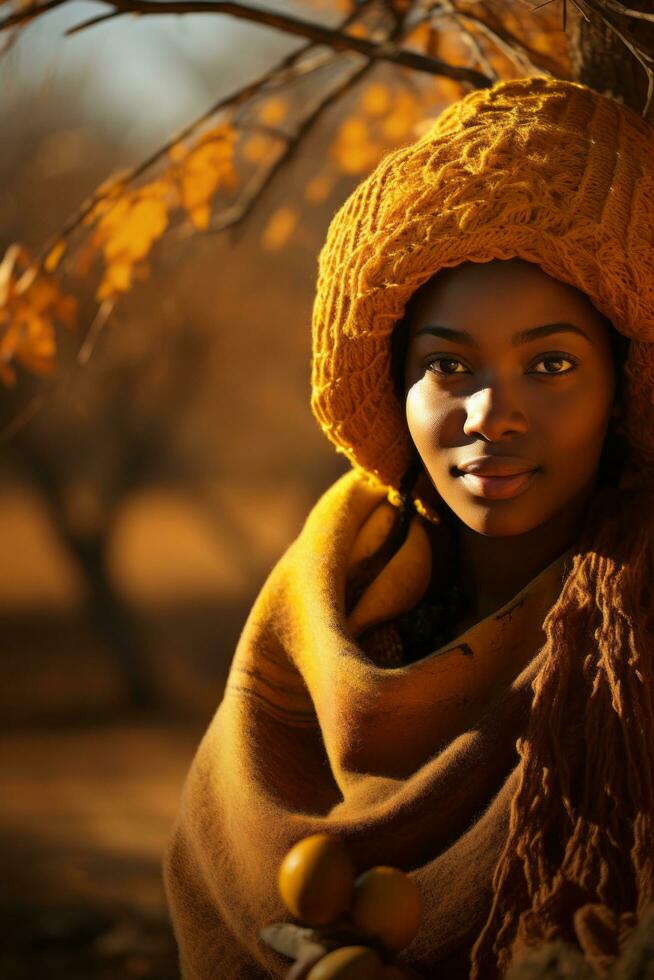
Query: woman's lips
497 487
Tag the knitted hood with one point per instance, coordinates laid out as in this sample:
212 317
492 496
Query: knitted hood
537 168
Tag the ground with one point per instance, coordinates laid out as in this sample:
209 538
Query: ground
85 816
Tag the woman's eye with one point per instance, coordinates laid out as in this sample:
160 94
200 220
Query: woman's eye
556 359
446 360
550 359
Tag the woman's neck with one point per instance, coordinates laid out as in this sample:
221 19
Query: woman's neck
494 569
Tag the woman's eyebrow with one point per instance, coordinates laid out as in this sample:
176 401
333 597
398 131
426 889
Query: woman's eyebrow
462 337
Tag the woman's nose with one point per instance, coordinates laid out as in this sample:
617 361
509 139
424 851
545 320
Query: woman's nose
493 414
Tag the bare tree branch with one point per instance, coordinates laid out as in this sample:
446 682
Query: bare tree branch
272 77
294 26
470 38
642 55
565 10
627 11
521 53
29 13
235 216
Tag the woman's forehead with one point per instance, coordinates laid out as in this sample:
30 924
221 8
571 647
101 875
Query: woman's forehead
498 295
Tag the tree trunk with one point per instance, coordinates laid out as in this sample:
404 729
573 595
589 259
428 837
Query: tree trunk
603 62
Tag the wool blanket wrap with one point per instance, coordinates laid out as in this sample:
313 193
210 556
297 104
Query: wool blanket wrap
413 766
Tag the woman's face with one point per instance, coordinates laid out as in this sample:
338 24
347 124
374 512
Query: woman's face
504 361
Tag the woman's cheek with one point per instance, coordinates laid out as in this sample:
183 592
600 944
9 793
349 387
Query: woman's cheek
575 433
424 419
436 427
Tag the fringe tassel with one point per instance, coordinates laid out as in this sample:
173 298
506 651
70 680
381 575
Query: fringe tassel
580 842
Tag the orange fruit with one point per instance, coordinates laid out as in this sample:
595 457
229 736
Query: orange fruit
386 906
348 963
316 879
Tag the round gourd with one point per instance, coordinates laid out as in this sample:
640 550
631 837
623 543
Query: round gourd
316 879
348 963
387 906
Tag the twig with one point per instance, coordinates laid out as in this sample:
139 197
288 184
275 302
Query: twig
644 57
237 214
628 11
294 26
92 22
470 38
235 99
20 421
518 50
241 211
268 80
94 331
26 14
582 12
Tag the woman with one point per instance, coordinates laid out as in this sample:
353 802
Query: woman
470 434
451 671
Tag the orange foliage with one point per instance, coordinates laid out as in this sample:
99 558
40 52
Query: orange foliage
273 111
386 118
31 304
204 169
318 189
376 100
53 258
256 147
127 231
279 228
124 220
354 149
124 223
358 30
129 222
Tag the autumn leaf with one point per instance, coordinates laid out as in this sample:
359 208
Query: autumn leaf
419 37
105 197
35 349
53 257
177 152
353 149
255 148
448 90
127 231
204 169
31 305
318 189
273 111
376 100
117 279
406 112
279 228
134 228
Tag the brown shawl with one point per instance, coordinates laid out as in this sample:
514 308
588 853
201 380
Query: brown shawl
412 766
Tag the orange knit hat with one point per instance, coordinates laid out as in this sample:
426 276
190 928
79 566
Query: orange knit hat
537 168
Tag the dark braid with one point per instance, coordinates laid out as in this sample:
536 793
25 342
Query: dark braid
407 508
370 567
